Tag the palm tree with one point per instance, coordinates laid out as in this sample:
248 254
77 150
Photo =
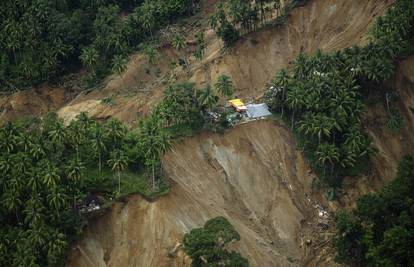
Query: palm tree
159 145
207 97
280 84
295 99
98 143
327 153
56 199
89 57
76 136
147 16
8 139
151 54
58 134
6 164
224 85
119 64
50 175
36 151
118 162
199 53
74 170
114 131
319 125
178 42
155 141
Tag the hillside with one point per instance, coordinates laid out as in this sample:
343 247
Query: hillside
253 174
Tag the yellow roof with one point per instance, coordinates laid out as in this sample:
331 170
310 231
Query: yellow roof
236 102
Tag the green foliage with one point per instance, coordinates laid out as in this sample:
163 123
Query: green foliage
41 40
178 42
42 181
199 53
322 95
380 231
151 53
224 86
207 97
322 99
395 120
43 168
207 245
236 16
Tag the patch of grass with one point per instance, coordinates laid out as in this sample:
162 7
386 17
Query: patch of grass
395 120
106 182
109 100
185 130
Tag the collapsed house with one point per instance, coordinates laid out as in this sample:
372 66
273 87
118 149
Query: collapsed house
250 111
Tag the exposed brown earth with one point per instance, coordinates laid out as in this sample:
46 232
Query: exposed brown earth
253 175
252 62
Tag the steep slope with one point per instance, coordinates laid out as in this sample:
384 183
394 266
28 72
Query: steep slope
391 146
252 175
252 62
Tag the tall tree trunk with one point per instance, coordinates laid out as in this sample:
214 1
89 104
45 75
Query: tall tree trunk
153 173
119 182
100 163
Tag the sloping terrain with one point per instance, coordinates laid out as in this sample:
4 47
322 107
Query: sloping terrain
391 146
252 175
252 62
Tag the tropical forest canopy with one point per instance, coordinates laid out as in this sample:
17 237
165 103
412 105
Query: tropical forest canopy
207 245
380 230
42 39
322 96
43 181
47 168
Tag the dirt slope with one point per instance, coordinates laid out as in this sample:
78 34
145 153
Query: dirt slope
256 180
32 102
252 62
391 146
252 174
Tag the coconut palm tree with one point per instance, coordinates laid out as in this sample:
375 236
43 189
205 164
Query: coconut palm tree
224 85
155 141
151 54
50 175
207 97
295 99
74 170
57 199
89 57
114 131
178 42
119 64
118 162
98 143
147 16
327 153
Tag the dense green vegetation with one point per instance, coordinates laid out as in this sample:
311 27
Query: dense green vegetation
235 17
380 230
47 168
40 40
207 245
323 94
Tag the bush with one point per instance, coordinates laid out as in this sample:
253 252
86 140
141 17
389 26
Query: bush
380 231
207 245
